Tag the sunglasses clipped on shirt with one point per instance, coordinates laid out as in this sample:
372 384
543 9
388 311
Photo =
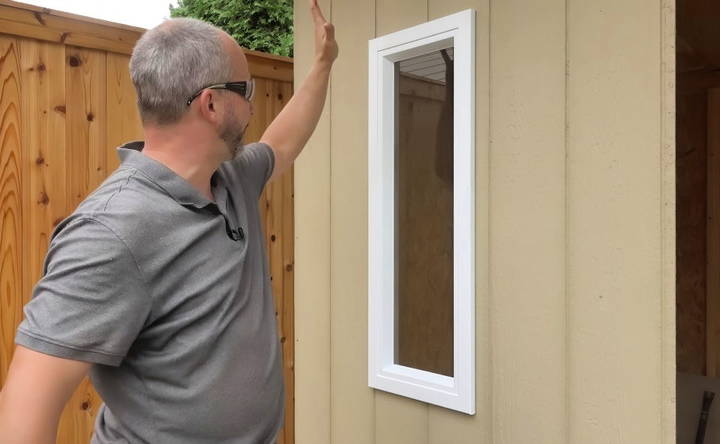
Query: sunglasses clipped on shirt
245 88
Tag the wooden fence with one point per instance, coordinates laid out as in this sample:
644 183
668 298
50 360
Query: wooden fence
66 103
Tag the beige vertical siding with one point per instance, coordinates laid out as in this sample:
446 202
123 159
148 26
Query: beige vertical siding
668 202
527 221
575 229
615 272
312 259
351 400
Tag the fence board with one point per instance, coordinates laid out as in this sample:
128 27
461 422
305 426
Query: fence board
43 135
276 211
287 315
44 24
121 104
10 200
86 85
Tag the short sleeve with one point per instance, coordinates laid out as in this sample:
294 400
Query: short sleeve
91 302
255 165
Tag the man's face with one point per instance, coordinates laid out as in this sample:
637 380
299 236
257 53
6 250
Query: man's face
238 113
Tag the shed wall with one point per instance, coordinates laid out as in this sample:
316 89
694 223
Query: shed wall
575 229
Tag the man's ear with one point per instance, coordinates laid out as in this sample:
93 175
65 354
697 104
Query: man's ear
209 106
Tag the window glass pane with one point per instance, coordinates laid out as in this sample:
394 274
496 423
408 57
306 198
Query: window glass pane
424 212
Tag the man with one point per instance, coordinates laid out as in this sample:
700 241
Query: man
157 285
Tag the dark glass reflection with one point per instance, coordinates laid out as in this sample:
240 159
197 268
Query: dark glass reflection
424 212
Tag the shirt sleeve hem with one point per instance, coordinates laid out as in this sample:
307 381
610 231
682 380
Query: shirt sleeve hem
271 155
52 348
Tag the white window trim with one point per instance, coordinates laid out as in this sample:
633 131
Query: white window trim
457 392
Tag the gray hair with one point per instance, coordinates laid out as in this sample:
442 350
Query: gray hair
173 61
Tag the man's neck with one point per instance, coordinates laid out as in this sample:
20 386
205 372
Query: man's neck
185 152
197 174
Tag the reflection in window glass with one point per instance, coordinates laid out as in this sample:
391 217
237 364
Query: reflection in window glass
424 212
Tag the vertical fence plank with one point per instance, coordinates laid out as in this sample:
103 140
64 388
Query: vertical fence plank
286 261
95 81
273 95
76 163
278 201
258 121
43 139
273 197
86 123
10 200
121 105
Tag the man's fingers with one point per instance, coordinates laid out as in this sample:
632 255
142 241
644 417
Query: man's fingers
316 13
330 31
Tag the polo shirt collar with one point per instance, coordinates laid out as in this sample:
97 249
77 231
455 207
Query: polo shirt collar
178 188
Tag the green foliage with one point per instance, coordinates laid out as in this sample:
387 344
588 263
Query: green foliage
260 25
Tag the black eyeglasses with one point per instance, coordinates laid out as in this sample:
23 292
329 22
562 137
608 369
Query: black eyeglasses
245 88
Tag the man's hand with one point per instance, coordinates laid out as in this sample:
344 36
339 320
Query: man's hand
326 48
291 129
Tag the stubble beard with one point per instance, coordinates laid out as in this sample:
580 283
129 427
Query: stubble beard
232 134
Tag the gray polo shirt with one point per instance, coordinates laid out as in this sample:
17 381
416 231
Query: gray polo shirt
168 294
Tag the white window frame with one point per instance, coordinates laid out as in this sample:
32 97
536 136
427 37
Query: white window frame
456 392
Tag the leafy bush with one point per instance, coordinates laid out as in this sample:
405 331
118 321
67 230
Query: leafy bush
260 25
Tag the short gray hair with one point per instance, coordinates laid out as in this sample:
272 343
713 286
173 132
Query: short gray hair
173 61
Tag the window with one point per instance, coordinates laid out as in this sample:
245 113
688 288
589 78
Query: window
421 212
